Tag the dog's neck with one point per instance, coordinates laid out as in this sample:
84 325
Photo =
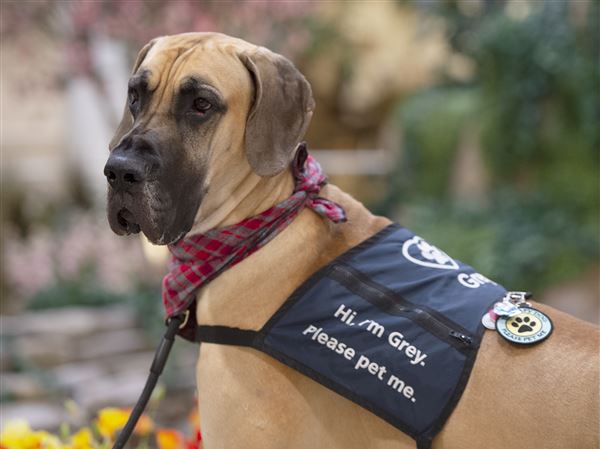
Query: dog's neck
246 194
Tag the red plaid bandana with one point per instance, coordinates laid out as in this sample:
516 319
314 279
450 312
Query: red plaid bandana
198 259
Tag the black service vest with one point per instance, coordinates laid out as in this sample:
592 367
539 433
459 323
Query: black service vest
393 324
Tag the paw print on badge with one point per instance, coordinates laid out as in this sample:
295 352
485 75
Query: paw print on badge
524 324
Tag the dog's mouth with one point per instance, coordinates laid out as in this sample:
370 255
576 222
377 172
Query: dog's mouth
124 219
126 222
136 218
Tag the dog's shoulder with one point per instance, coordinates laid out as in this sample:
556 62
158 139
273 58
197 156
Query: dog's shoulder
360 225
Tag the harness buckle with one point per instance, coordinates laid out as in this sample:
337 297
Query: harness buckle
518 298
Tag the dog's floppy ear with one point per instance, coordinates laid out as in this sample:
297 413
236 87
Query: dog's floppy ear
127 120
280 113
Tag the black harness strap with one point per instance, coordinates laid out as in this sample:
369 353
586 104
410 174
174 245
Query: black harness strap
233 336
424 442
224 335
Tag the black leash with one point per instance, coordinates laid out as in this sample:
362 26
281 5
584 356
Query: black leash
158 364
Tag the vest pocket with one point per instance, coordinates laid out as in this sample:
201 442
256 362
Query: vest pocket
394 304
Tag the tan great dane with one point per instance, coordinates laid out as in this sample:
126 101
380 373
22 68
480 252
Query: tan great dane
206 140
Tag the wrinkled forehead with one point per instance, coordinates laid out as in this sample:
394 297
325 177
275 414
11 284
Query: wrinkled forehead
174 61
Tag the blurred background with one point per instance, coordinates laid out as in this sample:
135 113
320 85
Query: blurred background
473 122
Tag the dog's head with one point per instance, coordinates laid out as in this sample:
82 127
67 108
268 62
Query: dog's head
199 106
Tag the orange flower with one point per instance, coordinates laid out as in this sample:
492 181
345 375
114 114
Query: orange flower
194 422
194 419
170 439
144 426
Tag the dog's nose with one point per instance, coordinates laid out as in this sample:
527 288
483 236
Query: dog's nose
124 172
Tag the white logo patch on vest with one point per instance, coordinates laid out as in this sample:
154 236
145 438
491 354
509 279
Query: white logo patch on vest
422 253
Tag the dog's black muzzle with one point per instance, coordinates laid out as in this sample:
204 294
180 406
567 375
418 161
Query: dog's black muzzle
130 167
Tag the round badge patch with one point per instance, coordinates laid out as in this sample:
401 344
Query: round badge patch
528 327
488 322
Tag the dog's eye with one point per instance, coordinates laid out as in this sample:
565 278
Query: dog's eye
133 97
201 105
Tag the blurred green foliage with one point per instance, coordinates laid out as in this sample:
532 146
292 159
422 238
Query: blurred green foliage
533 105
539 93
432 122
82 290
525 243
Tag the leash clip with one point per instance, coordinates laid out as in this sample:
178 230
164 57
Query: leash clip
186 317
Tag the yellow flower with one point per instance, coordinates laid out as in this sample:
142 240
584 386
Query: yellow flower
83 439
169 439
17 434
47 440
110 420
